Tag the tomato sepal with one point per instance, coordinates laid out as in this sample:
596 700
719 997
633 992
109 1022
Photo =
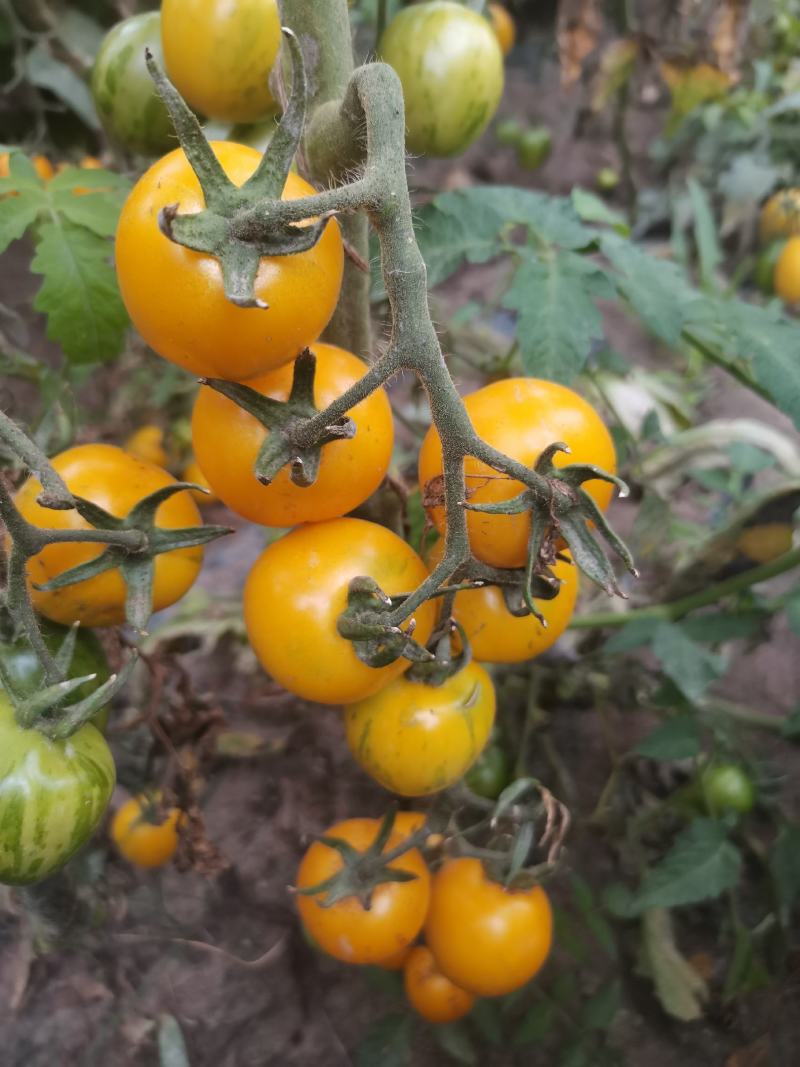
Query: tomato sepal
286 444
376 642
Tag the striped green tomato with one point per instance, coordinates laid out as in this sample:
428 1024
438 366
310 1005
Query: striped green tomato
129 107
52 796
451 67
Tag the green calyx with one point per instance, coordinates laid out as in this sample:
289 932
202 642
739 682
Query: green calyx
567 513
362 872
135 561
286 444
449 657
376 641
226 228
47 709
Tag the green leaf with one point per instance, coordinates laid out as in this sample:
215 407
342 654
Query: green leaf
98 210
590 208
79 293
488 1020
715 627
793 612
16 215
700 865
599 1011
690 667
784 866
677 739
171 1045
469 225
535 1024
47 72
679 987
454 1038
656 289
638 633
705 234
387 1042
559 321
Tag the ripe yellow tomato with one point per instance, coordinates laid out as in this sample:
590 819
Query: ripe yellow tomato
504 27
497 636
786 278
192 473
347 930
429 993
115 481
176 298
227 440
485 938
780 216
142 833
765 541
296 591
417 739
520 417
147 444
219 54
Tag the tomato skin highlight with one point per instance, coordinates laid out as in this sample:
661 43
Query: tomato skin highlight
416 739
348 931
227 440
497 636
429 993
142 841
450 64
53 796
130 109
296 591
219 55
485 938
520 417
176 298
116 482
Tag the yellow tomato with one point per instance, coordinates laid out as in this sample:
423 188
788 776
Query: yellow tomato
147 444
780 216
504 27
786 278
416 738
142 835
429 993
192 473
497 636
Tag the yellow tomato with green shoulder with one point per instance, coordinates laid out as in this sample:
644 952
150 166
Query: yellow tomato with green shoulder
416 738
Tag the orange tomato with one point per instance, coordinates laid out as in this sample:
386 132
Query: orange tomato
786 278
227 440
41 164
429 993
347 930
520 417
115 481
147 444
497 636
141 835
176 298
485 938
192 473
504 27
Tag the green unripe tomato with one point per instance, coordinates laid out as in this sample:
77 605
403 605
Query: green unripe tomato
26 673
727 788
508 132
533 147
52 796
490 773
764 271
124 94
607 179
451 67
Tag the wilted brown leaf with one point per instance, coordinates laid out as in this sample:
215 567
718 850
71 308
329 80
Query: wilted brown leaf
727 33
577 33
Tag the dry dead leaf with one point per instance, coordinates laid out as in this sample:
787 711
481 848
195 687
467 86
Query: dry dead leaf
577 33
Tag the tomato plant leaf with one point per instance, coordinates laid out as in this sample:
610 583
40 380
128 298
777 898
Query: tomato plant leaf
705 234
592 917
685 663
455 1040
591 208
387 1042
681 990
599 1011
16 214
701 864
535 1024
559 321
79 293
656 289
638 633
97 210
487 1019
47 72
784 866
677 739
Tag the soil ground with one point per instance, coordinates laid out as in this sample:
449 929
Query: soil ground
192 945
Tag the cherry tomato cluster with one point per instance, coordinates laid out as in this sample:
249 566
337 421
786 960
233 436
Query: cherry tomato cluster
481 939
